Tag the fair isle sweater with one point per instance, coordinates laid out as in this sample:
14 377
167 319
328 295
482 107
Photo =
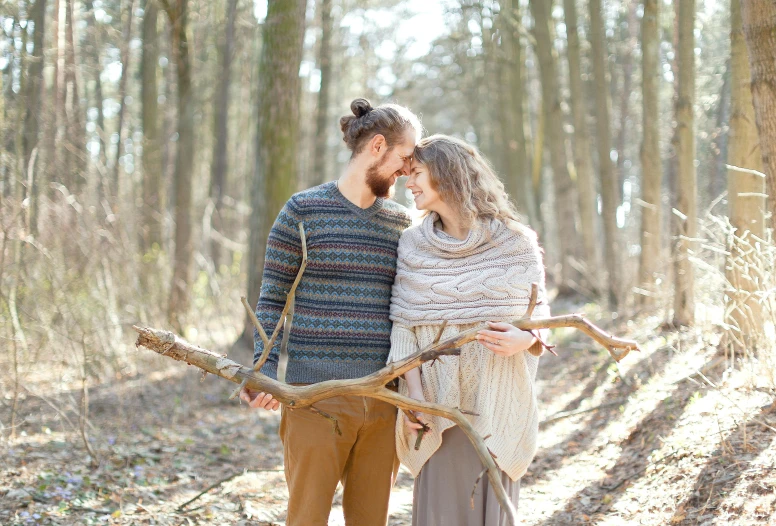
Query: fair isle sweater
341 327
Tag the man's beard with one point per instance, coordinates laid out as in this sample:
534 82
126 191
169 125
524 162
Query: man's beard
380 185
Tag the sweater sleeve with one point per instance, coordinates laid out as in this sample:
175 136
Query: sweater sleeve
281 265
404 343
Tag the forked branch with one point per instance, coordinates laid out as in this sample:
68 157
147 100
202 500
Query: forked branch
373 385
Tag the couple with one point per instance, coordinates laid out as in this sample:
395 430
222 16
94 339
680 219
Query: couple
376 291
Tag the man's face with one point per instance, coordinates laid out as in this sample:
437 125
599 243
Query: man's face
395 162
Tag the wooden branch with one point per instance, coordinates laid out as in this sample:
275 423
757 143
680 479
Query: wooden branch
373 385
269 343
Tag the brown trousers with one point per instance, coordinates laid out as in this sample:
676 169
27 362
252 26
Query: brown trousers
316 458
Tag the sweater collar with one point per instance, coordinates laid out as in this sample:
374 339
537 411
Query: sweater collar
446 245
365 213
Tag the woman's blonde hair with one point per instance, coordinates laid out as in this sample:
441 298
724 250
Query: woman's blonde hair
466 180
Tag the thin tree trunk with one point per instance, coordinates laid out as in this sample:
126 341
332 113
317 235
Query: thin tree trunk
322 125
34 105
179 288
122 97
746 203
759 21
94 48
517 174
717 178
55 135
582 156
609 193
153 189
218 167
565 202
75 152
278 130
651 160
687 187
627 87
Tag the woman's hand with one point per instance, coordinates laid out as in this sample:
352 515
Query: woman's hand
505 339
412 426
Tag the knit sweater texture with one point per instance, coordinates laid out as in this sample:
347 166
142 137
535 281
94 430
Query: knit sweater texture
486 277
341 327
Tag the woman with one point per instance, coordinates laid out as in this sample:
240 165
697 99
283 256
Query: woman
470 261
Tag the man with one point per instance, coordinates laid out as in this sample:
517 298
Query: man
341 327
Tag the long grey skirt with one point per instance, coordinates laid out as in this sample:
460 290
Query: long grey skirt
443 489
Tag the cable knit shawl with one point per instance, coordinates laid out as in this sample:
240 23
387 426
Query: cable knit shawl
486 277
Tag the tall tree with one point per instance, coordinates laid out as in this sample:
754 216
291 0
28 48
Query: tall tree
34 105
687 187
122 95
153 189
746 203
322 124
218 168
759 21
278 129
518 174
651 164
75 129
565 202
177 12
582 155
93 51
625 94
716 181
609 193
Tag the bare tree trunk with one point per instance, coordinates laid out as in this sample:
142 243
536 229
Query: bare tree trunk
582 156
719 144
609 193
746 203
627 87
218 167
34 106
687 187
153 189
565 202
93 50
179 288
759 21
278 130
512 90
651 160
122 97
53 133
75 151
322 125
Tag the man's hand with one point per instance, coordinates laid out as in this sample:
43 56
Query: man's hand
259 400
505 339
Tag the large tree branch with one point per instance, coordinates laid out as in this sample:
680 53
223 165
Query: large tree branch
168 344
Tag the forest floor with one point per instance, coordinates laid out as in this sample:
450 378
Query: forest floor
667 437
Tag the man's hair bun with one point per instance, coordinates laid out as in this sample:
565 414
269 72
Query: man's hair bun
360 107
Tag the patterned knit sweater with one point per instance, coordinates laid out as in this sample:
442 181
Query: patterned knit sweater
341 327
487 276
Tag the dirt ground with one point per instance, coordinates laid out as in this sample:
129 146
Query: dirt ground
667 437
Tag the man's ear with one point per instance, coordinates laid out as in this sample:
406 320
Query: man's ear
378 144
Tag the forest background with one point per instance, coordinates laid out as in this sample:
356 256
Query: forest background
147 146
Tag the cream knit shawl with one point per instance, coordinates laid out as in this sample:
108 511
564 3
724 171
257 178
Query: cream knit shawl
486 277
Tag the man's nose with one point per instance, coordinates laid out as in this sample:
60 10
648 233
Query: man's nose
405 169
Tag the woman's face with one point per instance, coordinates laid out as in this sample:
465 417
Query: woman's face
419 183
